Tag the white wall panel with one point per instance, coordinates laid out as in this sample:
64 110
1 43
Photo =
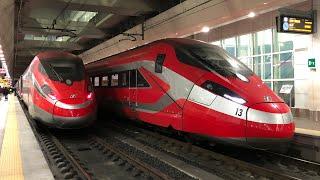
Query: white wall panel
301 100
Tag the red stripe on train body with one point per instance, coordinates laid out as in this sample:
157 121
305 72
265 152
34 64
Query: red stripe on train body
192 87
57 91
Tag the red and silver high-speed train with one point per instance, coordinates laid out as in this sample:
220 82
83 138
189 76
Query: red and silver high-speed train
193 87
57 91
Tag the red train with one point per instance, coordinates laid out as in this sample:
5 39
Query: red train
57 91
193 87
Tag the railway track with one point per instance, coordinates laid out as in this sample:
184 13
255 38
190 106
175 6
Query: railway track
249 163
91 158
308 168
286 164
305 147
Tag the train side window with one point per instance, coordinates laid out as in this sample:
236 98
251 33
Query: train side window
132 74
105 81
141 81
159 63
124 80
96 81
137 79
114 80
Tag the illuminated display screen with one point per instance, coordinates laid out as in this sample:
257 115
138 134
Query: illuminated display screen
295 25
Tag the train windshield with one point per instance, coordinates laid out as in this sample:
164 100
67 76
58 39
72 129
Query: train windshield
212 58
59 69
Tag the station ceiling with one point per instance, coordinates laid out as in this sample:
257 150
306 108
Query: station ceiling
73 25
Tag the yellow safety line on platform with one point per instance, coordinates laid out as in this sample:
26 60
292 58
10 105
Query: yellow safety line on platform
10 158
307 131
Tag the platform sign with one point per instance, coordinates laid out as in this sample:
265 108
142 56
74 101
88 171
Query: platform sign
291 24
286 89
312 63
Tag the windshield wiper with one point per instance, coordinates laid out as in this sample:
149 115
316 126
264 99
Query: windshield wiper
55 72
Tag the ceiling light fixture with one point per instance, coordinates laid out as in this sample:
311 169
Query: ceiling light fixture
205 29
251 14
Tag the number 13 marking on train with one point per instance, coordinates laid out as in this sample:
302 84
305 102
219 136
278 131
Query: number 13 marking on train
239 112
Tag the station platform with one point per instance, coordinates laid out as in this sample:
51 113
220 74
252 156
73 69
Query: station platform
20 155
306 126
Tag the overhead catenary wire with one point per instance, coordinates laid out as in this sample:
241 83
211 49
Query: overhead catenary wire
54 21
167 20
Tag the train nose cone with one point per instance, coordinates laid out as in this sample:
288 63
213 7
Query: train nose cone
269 124
74 113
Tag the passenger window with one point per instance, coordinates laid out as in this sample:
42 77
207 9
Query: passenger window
96 81
105 81
124 79
91 80
141 81
159 63
133 78
114 80
137 80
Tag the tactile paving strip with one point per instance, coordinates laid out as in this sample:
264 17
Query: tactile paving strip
10 157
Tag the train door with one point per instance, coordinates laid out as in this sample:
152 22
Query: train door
133 99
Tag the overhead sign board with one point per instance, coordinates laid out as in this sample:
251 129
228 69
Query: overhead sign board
286 89
292 24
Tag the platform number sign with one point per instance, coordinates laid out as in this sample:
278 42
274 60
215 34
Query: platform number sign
312 63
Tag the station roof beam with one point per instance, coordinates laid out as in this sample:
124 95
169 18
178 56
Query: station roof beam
69 25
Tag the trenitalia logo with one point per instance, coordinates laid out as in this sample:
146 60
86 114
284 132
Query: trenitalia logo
72 96
267 98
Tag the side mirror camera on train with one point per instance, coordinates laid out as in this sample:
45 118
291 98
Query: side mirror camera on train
159 63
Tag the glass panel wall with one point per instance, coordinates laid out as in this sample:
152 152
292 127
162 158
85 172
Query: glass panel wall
268 54
244 45
230 45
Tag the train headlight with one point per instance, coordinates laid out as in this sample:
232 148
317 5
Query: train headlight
48 91
223 91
